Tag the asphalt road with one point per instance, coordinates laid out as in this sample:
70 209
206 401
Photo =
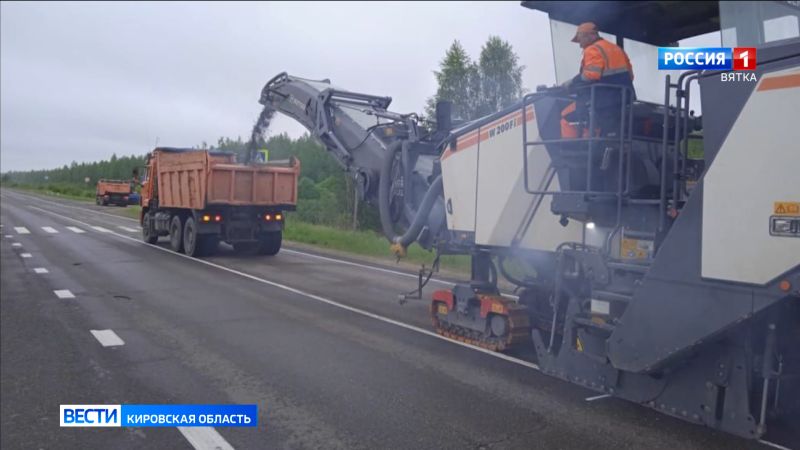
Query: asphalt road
321 344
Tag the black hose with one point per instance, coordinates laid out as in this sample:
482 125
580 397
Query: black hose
421 216
384 185
434 191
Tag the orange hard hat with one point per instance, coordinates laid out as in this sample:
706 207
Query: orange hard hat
586 27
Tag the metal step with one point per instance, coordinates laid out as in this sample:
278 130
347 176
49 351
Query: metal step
628 266
649 235
643 201
589 324
611 296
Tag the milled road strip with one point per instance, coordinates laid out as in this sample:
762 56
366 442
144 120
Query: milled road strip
205 438
76 230
318 298
21 230
26 255
40 270
50 230
107 338
63 293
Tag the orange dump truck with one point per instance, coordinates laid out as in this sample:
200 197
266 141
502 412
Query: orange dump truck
199 198
112 192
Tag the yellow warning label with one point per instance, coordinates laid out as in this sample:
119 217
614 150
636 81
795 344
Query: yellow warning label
787 208
497 308
635 248
442 309
578 344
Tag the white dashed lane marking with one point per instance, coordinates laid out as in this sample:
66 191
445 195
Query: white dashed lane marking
50 230
63 293
26 255
128 229
8 236
16 244
75 230
21 230
205 438
101 229
40 270
107 338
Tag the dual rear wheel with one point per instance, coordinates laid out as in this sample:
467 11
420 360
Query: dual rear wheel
184 238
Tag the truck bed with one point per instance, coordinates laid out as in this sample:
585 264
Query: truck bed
113 187
199 179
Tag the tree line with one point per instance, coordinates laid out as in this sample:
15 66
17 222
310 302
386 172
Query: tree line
475 87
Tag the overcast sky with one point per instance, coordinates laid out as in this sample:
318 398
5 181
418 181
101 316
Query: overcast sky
81 81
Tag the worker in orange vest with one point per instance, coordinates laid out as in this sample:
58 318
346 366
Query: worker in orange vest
603 62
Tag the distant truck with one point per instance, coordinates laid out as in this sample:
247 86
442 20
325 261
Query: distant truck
114 192
198 198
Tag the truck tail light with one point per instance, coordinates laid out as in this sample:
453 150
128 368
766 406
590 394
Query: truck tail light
278 216
206 218
268 217
218 218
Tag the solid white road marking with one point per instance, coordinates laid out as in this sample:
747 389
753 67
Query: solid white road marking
50 230
75 207
21 230
75 230
40 270
63 293
26 255
107 338
325 258
101 229
597 397
8 236
378 269
774 445
128 229
16 244
318 298
205 438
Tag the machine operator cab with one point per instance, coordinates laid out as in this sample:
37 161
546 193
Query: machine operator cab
647 151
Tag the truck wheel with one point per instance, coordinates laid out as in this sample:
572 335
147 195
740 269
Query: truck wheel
193 244
176 234
148 234
97 201
270 243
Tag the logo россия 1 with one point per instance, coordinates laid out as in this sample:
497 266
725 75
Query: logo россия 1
706 58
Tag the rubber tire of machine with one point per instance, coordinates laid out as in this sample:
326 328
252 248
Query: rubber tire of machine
193 243
147 232
270 243
176 234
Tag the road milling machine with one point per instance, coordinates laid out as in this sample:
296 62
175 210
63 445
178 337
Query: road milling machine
656 259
